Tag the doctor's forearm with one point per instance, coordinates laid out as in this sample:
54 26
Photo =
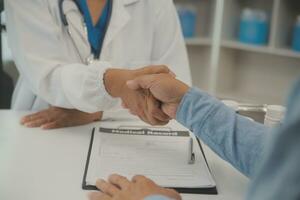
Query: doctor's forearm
233 137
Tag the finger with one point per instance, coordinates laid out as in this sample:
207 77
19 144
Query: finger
150 119
148 112
31 117
36 123
144 118
98 196
52 125
119 181
155 110
170 110
154 114
139 178
155 69
142 82
124 105
133 113
172 191
140 112
106 187
141 109
64 123
146 81
160 123
172 74
160 116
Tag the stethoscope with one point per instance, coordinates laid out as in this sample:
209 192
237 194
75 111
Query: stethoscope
63 16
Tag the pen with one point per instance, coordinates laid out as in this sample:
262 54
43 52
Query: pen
191 155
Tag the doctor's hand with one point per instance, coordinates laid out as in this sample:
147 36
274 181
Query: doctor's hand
164 88
140 102
55 117
120 188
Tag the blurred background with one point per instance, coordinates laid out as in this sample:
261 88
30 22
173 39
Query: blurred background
243 50
8 72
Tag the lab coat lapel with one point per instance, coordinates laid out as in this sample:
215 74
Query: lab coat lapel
77 28
74 17
119 19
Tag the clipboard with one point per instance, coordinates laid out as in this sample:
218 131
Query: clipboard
186 190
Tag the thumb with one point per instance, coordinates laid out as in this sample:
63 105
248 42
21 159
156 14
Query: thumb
142 82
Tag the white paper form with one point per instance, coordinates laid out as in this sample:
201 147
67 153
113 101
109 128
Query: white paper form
164 159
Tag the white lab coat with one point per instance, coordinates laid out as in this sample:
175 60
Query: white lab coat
141 33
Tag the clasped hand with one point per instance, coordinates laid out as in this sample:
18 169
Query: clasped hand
152 93
140 101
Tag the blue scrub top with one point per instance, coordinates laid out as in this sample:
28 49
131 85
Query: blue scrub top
95 33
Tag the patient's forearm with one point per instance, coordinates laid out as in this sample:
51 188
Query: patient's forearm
233 137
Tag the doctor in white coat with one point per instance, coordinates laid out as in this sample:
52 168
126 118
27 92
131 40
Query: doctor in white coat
60 76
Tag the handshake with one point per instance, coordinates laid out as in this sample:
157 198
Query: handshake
151 93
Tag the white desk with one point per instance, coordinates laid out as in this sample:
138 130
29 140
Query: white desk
48 165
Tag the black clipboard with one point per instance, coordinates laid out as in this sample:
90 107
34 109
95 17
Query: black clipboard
209 191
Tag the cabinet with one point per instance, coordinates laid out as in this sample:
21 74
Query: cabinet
229 69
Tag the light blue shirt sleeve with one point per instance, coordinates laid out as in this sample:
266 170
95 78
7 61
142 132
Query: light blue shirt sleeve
241 142
234 138
278 175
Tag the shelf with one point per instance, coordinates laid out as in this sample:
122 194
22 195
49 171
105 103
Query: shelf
233 70
287 53
288 10
260 49
245 47
198 41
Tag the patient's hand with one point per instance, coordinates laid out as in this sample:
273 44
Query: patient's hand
55 117
163 87
140 102
120 188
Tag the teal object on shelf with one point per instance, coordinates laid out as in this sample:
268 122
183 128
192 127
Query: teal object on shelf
254 27
296 37
188 20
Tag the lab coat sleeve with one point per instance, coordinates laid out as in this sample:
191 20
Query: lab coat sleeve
169 46
42 59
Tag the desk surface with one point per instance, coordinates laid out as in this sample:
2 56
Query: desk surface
48 165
